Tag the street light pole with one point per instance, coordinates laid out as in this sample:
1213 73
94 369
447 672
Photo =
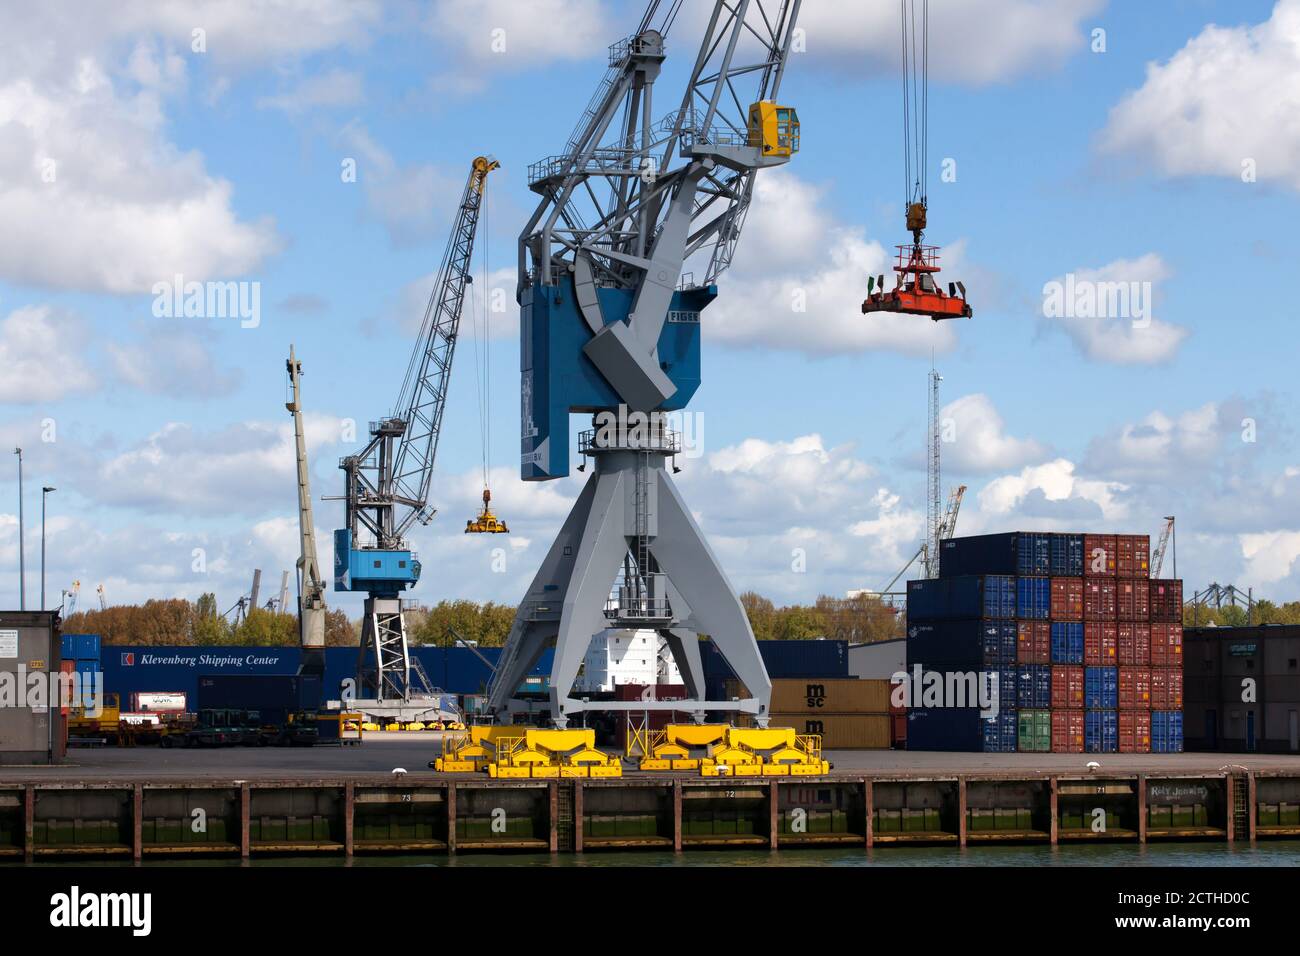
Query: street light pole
45 490
22 570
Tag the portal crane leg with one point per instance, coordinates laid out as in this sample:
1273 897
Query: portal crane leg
576 578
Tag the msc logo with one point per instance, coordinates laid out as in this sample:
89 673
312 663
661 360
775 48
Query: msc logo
128 658
814 727
816 695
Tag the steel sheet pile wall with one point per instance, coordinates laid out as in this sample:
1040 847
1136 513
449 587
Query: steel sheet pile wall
1090 644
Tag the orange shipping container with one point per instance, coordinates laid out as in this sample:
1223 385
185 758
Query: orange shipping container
838 695
842 731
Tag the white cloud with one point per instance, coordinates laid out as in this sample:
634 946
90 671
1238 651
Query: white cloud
974 42
406 311
172 364
1223 99
1053 488
1161 445
247 468
1108 312
980 442
795 254
1270 556
332 89
410 201
94 195
512 35
40 353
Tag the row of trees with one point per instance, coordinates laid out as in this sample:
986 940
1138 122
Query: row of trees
859 619
177 621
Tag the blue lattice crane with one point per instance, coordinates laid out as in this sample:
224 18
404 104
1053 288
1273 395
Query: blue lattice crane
387 482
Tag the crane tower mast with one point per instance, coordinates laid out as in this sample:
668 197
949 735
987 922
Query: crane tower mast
610 326
387 482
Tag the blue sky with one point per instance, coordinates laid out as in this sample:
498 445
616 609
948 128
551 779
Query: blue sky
1123 165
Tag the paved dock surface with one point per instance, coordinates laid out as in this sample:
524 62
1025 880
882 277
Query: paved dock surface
380 754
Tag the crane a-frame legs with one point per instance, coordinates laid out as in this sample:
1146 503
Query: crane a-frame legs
630 517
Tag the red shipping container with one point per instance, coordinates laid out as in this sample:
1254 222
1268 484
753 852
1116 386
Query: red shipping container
1141 600
1133 644
1134 732
1099 599
1034 642
1166 645
1067 599
1099 555
1166 600
1067 687
898 730
1124 599
1067 731
1141 556
1100 644
1135 688
1166 688
1132 555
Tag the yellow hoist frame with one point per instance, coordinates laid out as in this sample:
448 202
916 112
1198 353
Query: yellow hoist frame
486 522
719 750
509 752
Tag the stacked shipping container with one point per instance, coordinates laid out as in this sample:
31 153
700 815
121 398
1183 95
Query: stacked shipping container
1092 644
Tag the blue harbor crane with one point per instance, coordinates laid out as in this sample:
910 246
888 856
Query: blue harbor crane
387 482
610 327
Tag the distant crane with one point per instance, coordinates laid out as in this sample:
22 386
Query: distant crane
387 482
311 585
103 598
70 599
1216 595
947 527
1158 556
277 602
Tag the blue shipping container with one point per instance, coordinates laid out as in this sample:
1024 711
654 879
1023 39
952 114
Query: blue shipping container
1034 686
1067 642
1033 553
945 728
1166 731
1033 598
81 647
129 669
978 554
1000 733
90 682
1008 689
961 598
971 643
1101 688
65 648
1101 732
1067 555
782 659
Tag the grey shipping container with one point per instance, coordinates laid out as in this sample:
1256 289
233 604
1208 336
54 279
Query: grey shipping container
34 730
